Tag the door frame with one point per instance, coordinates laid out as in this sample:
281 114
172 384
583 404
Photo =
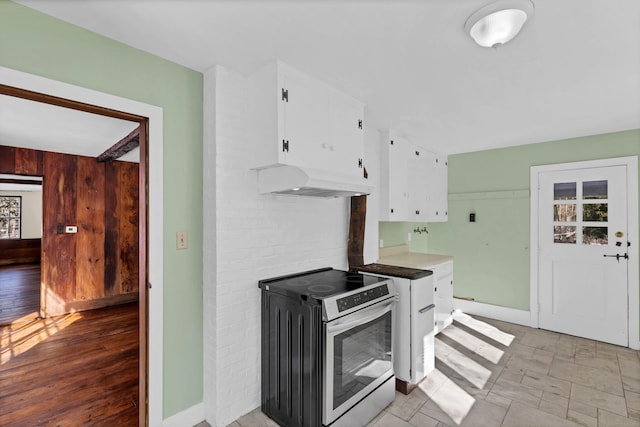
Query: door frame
151 326
633 291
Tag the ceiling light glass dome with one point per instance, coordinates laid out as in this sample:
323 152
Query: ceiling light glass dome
499 22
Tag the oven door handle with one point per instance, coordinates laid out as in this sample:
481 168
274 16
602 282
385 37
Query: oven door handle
359 317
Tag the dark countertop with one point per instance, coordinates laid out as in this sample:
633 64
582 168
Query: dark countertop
393 271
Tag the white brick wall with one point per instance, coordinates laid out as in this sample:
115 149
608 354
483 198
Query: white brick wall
249 237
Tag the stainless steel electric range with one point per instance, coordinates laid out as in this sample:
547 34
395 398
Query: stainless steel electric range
327 348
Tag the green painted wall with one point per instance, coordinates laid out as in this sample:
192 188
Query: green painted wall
38 44
492 255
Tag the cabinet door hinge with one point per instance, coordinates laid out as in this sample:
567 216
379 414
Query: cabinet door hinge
285 95
285 146
360 124
417 153
360 163
392 142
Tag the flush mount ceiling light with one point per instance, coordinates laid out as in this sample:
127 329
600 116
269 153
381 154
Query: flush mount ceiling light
498 22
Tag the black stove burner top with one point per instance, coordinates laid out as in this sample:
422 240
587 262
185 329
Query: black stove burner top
318 284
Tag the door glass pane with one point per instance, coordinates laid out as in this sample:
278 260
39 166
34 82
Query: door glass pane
564 213
595 212
594 189
564 234
595 236
564 191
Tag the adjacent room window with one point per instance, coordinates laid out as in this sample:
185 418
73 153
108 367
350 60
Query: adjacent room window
10 210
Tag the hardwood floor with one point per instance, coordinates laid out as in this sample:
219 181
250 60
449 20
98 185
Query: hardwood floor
79 369
19 292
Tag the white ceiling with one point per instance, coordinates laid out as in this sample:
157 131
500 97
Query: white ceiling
573 71
46 127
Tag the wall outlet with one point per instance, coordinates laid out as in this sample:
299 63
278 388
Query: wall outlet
408 237
71 229
181 240
381 243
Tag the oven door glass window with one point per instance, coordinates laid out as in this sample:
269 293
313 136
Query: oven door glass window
362 354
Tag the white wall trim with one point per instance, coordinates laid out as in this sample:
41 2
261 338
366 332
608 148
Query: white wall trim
189 417
40 84
633 291
505 314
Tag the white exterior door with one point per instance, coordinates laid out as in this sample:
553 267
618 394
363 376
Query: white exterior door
582 252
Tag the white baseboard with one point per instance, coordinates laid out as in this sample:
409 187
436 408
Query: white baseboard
187 418
506 314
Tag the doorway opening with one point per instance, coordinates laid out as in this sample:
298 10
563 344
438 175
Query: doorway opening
20 246
84 242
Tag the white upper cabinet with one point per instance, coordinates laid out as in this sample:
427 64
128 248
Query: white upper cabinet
413 181
301 121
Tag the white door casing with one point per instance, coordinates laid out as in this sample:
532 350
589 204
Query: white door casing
583 215
47 86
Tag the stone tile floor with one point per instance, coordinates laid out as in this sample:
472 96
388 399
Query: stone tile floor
493 373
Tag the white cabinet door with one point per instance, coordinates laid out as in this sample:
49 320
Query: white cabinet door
438 188
402 329
418 190
443 294
422 328
346 137
305 121
394 179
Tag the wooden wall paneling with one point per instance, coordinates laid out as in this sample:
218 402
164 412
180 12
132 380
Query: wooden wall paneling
7 159
90 255
111 230
357 219
59 249
19 251
128 223
28 162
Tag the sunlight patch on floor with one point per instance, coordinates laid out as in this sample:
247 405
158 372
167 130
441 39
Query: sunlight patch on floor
466 367
485 329
474 344
452 399
20 337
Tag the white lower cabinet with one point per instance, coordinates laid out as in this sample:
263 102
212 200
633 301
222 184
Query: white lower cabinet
413 330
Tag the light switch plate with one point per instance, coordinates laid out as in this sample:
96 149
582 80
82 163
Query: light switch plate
182 240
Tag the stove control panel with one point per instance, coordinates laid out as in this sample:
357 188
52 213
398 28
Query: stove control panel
360 298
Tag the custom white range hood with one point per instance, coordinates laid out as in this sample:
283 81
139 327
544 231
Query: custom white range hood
293 180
